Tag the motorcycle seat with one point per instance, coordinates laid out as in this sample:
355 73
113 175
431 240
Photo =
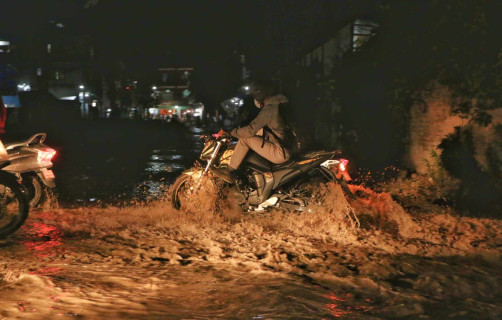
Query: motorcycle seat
283 165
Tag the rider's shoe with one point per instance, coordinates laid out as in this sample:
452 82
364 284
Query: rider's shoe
229 175
225 174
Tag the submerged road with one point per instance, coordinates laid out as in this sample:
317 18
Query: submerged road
151 262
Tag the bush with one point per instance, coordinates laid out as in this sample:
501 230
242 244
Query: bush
478 192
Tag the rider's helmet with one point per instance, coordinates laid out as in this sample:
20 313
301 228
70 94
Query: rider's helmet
263 89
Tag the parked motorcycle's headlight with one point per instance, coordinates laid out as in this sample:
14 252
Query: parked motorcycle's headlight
45 155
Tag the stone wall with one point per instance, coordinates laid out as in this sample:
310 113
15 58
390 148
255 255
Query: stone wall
431 121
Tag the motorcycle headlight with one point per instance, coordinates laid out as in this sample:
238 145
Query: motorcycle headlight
207 150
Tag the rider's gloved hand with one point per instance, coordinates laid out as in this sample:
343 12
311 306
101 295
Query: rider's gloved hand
222 133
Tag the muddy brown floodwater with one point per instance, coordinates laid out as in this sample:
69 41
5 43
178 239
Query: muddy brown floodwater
49 274
152 262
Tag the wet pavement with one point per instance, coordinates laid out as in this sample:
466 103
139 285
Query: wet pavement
165 165
119 169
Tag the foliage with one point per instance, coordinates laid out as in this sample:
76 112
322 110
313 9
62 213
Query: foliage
478 192
443 186
494 155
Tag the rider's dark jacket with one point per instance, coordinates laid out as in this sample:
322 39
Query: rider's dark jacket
269 119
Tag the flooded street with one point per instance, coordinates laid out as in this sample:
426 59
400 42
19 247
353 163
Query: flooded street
138 258
151 262
111 276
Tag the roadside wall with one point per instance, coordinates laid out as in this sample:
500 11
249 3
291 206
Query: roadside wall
431 121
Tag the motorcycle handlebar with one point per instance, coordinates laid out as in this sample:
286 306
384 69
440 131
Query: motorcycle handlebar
219 135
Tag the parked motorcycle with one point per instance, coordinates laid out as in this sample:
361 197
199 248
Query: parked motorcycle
14 206
30 162
265 185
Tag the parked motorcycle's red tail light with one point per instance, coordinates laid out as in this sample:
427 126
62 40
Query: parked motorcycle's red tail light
46 155
343 164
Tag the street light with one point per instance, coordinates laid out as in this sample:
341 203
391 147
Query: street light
82 107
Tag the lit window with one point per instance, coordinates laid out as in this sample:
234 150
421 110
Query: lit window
4 46
362 31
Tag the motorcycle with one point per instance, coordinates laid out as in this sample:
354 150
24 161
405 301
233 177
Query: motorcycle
30 162
14 206
264 185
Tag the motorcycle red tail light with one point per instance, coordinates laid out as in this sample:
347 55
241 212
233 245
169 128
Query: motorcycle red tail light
343 164
46 155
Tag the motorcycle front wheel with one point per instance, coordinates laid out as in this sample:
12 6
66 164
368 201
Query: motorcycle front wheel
14 207
180 191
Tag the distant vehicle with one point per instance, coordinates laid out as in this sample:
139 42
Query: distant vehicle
14 206
30 162
290 185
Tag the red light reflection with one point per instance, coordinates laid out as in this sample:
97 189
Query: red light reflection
344 305
45 241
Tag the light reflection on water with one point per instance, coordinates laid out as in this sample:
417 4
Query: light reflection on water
156 157
159 167
165 166
345 305
42 240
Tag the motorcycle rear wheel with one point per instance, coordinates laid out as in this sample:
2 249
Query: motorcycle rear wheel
343 183
346 189
179 191
35 190
14 207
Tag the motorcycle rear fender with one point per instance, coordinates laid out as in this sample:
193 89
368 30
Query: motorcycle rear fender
19 168
25 161
51 183
333 166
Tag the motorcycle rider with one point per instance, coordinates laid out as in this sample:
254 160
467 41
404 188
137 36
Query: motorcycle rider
263 135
